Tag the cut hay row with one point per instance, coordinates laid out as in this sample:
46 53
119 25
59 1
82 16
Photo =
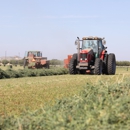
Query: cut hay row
11 73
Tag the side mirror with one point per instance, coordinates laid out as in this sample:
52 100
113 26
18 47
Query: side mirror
77 42
104 42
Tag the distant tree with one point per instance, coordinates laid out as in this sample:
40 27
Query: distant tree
21 62
5 61
14 62
123 63
56 62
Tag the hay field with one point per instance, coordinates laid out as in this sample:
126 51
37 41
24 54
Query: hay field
31 93
65 102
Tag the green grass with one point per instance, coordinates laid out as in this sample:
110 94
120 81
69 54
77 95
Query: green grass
32 92
66 102
16 95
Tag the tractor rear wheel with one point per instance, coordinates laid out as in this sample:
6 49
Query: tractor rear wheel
98 66
72 65
47 66
24 63
111 64
104 71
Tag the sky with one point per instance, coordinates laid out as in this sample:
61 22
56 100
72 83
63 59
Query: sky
52 26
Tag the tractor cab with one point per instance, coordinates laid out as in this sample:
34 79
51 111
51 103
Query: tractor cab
93 45
33 54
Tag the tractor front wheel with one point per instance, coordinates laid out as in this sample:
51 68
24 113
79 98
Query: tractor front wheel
72 66
104 71
111 64
98 66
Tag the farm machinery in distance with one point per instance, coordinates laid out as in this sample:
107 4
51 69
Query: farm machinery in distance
34 59
91 57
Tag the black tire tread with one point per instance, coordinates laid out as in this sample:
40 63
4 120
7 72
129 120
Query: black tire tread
72 64
111 65
105 64
98 66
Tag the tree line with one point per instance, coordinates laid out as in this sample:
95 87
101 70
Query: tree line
123 63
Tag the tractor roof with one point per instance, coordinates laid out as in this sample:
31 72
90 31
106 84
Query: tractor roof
92 38
33 51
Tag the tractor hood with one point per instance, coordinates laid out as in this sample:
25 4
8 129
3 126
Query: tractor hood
86 50
86 55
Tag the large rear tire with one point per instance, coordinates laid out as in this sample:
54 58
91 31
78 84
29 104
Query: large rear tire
104 71
24 63
47 65
72 65
98 66
111 64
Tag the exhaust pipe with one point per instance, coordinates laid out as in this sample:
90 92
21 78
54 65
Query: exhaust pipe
77 42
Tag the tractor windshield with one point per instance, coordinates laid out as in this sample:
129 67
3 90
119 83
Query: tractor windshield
90 44
35 53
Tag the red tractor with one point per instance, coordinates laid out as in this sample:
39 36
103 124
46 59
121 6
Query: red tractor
91 58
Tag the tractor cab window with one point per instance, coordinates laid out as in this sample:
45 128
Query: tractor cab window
26 54
100 45
35 54
38 54
90 44
30 54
